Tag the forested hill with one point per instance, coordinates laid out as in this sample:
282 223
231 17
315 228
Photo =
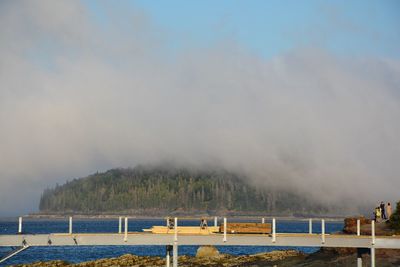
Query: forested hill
145 190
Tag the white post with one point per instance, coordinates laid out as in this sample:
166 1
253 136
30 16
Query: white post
262 220
176 229
167 220
126 229
273 230
310 226
215 221
359 262
167 258
70 225
20 225
168 261
175 255
372 257
120 225
224 230
323 231
358 227
372 233
175 246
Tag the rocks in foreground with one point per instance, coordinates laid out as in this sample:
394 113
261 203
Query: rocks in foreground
207 252
207 257
211 257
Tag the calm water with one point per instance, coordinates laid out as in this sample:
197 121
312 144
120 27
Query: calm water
86 253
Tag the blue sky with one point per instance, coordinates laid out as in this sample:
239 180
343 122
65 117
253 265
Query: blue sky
269 28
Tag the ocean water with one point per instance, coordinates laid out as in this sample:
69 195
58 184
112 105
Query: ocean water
86 253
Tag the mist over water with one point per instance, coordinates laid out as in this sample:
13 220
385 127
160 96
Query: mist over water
78 96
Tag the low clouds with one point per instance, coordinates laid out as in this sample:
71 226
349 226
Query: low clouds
78 96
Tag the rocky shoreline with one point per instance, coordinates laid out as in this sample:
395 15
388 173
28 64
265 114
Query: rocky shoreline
206 256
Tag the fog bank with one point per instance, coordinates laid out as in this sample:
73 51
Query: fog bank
77 96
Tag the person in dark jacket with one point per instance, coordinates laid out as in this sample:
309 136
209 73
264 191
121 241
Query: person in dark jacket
383 211
203 223
171 223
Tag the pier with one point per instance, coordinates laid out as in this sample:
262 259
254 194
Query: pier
175 238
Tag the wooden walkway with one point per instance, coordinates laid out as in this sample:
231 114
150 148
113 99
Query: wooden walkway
139 238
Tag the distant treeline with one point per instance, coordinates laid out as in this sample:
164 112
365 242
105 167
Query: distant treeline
169 190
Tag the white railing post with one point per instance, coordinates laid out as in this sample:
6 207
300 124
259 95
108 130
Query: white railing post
310 226
126 230
169 249
215 221
175 254
372 233
358 227
372 257
175 246
70 225
323 231
224 239
262 220
20 225
273 230
168 260
359 262
119 225
176 229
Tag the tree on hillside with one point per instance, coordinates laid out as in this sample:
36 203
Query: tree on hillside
168 190
394 220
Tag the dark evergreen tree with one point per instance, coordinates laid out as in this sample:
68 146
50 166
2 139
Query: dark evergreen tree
394 220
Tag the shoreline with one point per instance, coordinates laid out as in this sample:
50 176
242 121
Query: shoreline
182 217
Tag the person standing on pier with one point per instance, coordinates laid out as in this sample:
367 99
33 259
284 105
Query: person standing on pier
388 210
203 223
382 206
171 223
377 214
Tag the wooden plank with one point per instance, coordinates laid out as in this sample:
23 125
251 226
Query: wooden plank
184 230
247 228
288 239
